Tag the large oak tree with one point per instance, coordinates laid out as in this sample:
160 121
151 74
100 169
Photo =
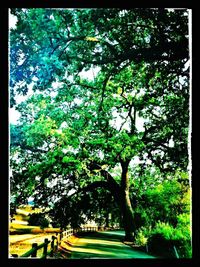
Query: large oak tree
84 132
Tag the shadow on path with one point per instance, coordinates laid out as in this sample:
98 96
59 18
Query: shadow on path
104 245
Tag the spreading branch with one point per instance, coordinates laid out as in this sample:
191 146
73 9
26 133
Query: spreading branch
170 51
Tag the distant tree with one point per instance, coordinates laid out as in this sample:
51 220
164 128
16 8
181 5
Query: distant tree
38 219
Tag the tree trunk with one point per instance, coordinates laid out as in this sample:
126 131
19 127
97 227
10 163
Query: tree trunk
121 195
107 220
126 207
128 217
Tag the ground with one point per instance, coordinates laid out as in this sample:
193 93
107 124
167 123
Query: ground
19 244
102 245
22 235
99 245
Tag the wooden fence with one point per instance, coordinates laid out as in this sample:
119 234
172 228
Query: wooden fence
54 242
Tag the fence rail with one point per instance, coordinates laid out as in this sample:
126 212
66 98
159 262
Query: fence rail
55 241
35 247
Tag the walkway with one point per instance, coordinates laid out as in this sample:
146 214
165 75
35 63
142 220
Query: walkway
104 245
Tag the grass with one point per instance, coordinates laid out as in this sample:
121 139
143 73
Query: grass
23 212
21 235
20 246
21 239
25 209
21 217
16 229
22 227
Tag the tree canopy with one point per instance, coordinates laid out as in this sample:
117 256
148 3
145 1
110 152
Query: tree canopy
108 102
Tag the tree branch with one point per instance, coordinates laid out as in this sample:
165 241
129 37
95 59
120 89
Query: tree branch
173 50
111 73
158 143
113 185
91 187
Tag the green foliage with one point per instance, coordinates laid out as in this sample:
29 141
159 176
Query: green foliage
161 198
141 237
164 237
136 60
162 215
164 229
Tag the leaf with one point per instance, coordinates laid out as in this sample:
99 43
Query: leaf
119 90
92 39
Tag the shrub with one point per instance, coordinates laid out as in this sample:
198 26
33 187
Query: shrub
164 237
38 219
141 237
55 224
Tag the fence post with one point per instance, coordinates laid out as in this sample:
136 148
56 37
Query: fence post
45 248
176 252
34 246
56 245
52 246
58 238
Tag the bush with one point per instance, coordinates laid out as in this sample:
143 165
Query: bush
164 237
141 237
38 219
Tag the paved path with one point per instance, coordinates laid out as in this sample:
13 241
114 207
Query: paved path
105 245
